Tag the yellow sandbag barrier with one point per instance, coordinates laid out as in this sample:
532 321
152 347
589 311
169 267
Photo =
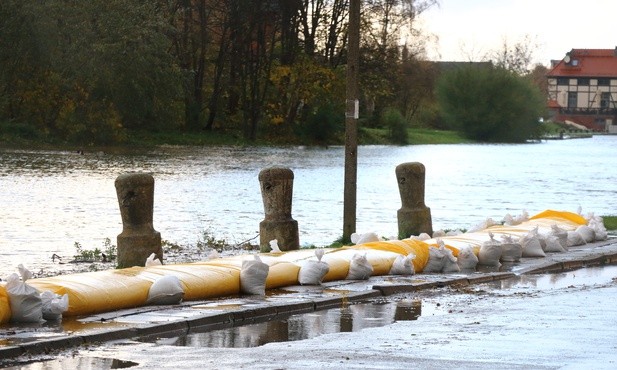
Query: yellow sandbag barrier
109 290
403 247
544 221
5 307
560 216
199 280
99 291
281 273
380 260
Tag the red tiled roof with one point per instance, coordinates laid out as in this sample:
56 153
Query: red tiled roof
589 63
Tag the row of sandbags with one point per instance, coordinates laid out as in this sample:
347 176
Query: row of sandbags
109 290
491 244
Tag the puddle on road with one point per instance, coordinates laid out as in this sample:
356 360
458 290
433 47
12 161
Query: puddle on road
352 317
19 333
376 313
75 363
596 275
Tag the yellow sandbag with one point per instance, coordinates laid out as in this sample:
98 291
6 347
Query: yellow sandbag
517 231
420 249
339 266
560 216
199 280
397 246
403 247
456 244
380 260
5 307
545 225
99 291
299 255
282 273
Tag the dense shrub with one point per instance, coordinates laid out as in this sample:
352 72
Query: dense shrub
323 126
490 104
396 124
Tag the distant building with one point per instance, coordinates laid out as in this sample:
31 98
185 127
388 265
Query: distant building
582 88
448 66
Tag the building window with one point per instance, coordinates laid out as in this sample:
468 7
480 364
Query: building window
604 81
562 81
605 100
572 99
583 82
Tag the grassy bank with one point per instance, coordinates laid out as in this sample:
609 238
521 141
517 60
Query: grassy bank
12 136
610 222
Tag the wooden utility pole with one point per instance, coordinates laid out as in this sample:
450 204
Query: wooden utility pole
351 122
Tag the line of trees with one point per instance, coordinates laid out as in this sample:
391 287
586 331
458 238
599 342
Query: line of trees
93 71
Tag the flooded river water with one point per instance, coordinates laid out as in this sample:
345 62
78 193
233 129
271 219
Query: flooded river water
51 199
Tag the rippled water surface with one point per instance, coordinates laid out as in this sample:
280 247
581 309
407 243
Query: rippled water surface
51 199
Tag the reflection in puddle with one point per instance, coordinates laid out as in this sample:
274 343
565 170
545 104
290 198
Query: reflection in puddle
76 363
585 276
304 326
19 333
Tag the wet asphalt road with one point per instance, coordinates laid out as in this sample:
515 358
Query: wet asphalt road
486 327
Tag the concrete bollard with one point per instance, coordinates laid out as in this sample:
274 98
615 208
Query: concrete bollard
276 190
138 239
414 217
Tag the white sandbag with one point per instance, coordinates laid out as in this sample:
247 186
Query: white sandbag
510 220
597 224
483 225
24 273
274 246
53 305
165 290
152 260
511 251
25 300
312 272
575 238
541 239
531 244
553 245
587 233
422 237
467 259
253 276
561 234
436 258
366 238
490 252
450 263
591 216
403 265
454 232
438 234
359 268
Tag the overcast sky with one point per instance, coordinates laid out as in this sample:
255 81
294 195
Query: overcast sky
469 29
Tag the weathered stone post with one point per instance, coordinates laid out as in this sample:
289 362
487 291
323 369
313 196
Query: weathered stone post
138 238
276 190
414 217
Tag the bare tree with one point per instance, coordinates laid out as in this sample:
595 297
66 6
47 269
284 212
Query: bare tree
516 57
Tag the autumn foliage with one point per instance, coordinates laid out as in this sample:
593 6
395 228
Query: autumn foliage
94 71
